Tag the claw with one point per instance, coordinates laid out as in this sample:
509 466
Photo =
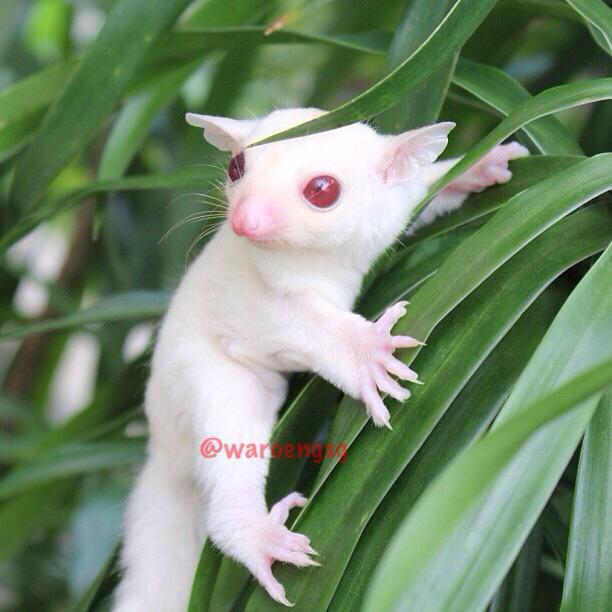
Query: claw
400 369
405 342
374 405
272 586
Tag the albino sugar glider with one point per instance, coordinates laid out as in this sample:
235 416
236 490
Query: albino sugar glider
270 294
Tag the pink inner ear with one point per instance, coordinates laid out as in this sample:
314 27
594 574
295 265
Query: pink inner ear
398 166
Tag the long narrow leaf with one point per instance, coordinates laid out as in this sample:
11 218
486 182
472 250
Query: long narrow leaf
500 91
598 15
136 304
587 583
70 460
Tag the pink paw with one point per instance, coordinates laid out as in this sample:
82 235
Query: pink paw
277 543
380 364
491 169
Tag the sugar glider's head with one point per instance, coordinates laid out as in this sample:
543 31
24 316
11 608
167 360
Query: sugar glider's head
347 186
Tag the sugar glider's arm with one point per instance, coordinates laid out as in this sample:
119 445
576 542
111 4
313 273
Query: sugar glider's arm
490 170
354 354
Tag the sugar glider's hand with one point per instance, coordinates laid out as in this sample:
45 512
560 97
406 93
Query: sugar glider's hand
490 170
375 350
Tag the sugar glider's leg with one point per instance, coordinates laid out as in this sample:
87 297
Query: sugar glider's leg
239 407
162 541
490 170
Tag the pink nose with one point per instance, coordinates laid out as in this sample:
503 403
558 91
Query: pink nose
254 218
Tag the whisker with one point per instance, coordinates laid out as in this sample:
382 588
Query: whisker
198 216
199 237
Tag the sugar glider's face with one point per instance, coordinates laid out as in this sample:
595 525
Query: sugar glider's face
317 191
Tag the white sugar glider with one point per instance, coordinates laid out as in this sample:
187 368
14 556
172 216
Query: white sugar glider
272 293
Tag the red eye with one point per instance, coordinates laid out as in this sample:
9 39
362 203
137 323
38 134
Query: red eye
235 169
322 191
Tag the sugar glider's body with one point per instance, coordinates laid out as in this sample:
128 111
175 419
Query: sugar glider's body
270 294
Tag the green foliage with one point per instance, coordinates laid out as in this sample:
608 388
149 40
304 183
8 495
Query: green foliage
493 489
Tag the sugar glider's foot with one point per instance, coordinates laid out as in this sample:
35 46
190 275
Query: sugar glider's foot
490 170
277 543
380 364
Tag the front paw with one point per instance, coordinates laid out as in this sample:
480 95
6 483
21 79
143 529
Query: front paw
491 169
274 542
379 363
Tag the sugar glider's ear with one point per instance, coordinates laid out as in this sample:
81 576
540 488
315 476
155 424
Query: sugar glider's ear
223 133
408 153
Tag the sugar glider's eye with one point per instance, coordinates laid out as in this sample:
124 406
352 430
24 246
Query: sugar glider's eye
235 169
322 191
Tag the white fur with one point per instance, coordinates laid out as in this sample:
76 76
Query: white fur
243 316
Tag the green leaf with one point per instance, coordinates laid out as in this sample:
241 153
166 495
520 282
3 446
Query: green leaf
205 577
439 48
131 29
133 122
190 42
500 91
22 106
517 590
489 498
119 307
599 16
465 421
420 19
556 520
589 561
33 94
70 460
454 353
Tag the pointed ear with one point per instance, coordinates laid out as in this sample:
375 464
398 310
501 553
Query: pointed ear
223 133
408 153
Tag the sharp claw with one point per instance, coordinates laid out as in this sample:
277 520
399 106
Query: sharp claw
312 551
273 587
405 342
283 600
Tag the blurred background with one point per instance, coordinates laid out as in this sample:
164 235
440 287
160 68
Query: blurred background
84 383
